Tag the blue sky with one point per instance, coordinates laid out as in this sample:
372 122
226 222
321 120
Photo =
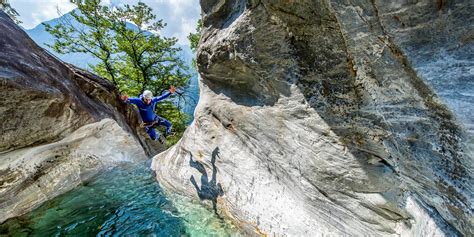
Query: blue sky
180 15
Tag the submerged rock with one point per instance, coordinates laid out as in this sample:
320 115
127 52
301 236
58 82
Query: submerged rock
315 119
60 125
33 175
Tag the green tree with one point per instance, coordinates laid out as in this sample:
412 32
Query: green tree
9 10
149 60
93 35
194 39
131 53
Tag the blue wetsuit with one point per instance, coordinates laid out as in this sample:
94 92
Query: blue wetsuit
148 115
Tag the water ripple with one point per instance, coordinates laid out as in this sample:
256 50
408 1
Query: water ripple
125 200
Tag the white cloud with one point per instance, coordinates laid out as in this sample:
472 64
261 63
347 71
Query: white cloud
33 12
181 16
186 26
179 6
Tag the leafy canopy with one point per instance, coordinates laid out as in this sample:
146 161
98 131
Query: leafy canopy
129 48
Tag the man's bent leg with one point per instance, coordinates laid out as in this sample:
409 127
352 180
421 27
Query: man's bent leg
166 123
152 133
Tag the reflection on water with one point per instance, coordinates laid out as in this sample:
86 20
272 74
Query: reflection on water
126 200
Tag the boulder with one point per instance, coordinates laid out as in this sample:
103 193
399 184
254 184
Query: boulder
321 118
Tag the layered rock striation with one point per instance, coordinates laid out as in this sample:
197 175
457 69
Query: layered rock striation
319 117
59 126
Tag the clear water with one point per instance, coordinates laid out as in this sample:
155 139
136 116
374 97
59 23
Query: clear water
125 200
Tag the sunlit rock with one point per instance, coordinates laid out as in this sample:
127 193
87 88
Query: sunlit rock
318 118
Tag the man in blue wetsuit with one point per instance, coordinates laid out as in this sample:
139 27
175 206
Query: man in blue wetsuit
146 106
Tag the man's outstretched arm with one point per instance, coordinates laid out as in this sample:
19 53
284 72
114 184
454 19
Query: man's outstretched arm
132 100
164 96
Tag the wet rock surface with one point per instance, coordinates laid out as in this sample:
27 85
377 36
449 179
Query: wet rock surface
323 117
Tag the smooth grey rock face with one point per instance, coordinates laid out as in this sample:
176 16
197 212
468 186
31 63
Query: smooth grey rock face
59 126
440 48
316 118
33 175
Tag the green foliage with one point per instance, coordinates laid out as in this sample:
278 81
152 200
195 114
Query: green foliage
150 61
176 117
94 36
9 10
131 53
194 39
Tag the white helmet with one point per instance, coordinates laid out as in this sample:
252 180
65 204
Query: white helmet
147 94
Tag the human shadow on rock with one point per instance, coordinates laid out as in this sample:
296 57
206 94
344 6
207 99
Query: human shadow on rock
210 189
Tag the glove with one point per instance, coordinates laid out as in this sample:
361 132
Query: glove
172 89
